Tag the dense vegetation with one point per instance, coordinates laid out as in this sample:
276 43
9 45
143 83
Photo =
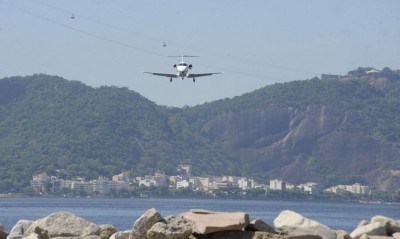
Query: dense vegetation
48 123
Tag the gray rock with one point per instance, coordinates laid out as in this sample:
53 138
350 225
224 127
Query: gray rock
65 224
3 234
32 236
340 234
106 231
372 229
43 234
144 223
205 222
363 223
259 225
296 225
238 235
396 235
392 226
20 229
121 235
175 227
80 237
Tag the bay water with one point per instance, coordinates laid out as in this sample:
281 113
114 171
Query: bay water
122 213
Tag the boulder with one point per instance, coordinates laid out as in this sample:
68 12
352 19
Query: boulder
32 236
340 234
144 223
238 235
175 227
3 234
396 235
205 222
106 231
64 224
392 226
42 233
363 223
372 229
20 229
83 237
296 225
121 235
259 225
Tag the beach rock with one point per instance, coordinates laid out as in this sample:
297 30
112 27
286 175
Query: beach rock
144 223
372 229
259 225
20 229
175 227
379 237
363 223
238 235
392 226
364 236
3 234
106 231
43 234
32 236
64 224
340 234
294 224
121 235
205 222
80 237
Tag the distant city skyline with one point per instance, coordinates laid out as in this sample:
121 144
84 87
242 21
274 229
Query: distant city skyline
255 43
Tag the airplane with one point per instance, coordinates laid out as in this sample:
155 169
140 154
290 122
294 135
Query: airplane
182 70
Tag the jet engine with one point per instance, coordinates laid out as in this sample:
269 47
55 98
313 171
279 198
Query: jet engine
190 66
174 65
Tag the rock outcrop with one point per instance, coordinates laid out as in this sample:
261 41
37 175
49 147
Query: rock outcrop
199 224
144 223
3 234
63 224
380 226
174 227
296 225
18 231
206 222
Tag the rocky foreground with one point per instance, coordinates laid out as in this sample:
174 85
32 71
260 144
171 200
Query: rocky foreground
198 224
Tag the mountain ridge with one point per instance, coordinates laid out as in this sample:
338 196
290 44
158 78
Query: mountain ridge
340 129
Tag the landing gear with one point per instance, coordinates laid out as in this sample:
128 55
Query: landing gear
194 80
170 79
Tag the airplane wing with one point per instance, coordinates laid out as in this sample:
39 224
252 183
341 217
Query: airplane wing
200 75
163 74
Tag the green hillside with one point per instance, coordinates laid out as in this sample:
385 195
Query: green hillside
49 123
339 129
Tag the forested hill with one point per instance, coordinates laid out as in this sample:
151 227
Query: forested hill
339 129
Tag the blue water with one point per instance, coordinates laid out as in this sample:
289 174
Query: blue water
122 213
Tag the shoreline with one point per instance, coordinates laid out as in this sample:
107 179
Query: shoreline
367 202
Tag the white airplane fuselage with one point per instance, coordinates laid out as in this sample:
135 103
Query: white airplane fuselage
182 71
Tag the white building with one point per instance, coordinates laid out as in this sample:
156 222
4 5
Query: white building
355 188
40 182
200 183
183 184
277 184
309 187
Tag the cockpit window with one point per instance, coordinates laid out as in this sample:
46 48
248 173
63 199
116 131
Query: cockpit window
182 64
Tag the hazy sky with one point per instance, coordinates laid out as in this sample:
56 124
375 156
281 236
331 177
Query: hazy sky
255 43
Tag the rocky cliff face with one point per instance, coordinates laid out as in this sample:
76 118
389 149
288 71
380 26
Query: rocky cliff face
282 141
